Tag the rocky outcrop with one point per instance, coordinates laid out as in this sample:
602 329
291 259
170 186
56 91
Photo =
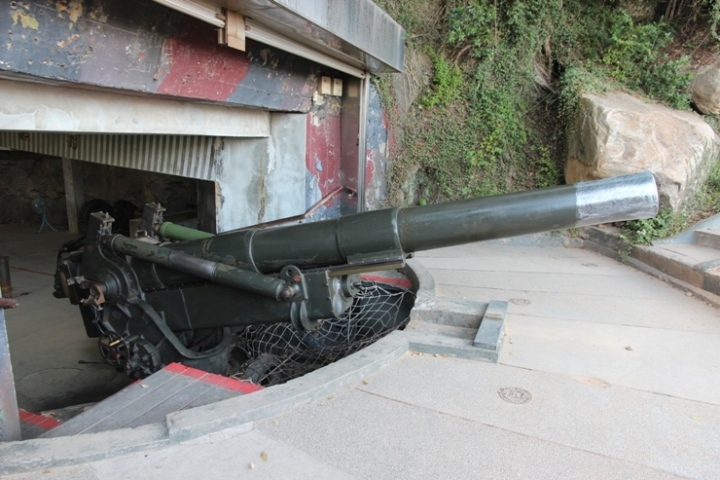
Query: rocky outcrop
616 134
705 90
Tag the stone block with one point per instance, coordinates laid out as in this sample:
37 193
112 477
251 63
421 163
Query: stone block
617 134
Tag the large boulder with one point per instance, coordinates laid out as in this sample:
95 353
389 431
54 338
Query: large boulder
705 90
617 134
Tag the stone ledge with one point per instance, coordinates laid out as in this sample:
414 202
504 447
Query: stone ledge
610 244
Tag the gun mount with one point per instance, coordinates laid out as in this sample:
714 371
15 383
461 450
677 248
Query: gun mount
178 294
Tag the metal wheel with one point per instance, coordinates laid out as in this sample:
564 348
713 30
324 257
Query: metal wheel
114 349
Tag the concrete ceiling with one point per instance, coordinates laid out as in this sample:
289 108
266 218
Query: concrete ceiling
356 32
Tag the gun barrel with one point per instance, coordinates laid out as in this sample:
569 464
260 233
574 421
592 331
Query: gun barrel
587 203
366 235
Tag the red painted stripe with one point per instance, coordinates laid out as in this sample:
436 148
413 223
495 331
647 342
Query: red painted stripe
369 167
390 131
231 383
323 155
176 368
46 423
402 282
193 373
198 67
213 379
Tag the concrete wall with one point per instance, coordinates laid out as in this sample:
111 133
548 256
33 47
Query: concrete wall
380 142
143 47
152 70
323 155
303 159
28 106
261 180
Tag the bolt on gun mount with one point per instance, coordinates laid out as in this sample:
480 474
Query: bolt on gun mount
153 302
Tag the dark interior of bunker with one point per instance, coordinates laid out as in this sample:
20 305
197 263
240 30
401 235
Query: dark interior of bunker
68 360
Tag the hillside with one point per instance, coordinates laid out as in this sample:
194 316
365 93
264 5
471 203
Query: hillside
489 87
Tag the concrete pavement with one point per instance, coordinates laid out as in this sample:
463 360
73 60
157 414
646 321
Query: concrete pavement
622 371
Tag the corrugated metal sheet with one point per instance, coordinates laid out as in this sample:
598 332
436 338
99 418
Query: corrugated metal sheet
185 156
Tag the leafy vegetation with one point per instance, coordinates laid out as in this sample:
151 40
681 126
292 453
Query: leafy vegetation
634 59
667 223
501 80
643 232
447 81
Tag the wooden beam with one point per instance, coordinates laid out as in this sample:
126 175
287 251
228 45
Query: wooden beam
233 35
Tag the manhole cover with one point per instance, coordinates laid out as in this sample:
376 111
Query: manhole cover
589 264
515 395
519 301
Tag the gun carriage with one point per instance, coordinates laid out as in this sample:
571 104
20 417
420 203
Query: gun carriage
174 294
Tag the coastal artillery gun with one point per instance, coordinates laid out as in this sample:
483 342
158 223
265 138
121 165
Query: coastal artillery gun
174 294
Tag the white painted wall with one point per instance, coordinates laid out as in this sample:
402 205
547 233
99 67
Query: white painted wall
285 170
37 107
261 180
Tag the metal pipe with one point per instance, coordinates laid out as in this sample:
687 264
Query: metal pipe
178 232
5 281
364 106
407 230
586 203
217 272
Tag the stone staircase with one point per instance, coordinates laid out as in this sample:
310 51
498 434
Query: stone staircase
690 261
697 264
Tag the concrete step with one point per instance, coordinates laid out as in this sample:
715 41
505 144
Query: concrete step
174 388
708 237
694 264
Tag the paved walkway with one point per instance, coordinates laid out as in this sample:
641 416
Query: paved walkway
623 371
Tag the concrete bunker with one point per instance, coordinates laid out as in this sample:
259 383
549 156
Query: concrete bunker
249 130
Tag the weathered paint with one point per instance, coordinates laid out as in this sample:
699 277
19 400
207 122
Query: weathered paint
379 145
324 150
33 35
199 68
285 168
122 44
143 48
146 48
262 180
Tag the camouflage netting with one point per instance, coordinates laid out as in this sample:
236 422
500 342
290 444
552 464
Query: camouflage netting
275 354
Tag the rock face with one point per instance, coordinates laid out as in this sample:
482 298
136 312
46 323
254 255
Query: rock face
616 134
705 90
